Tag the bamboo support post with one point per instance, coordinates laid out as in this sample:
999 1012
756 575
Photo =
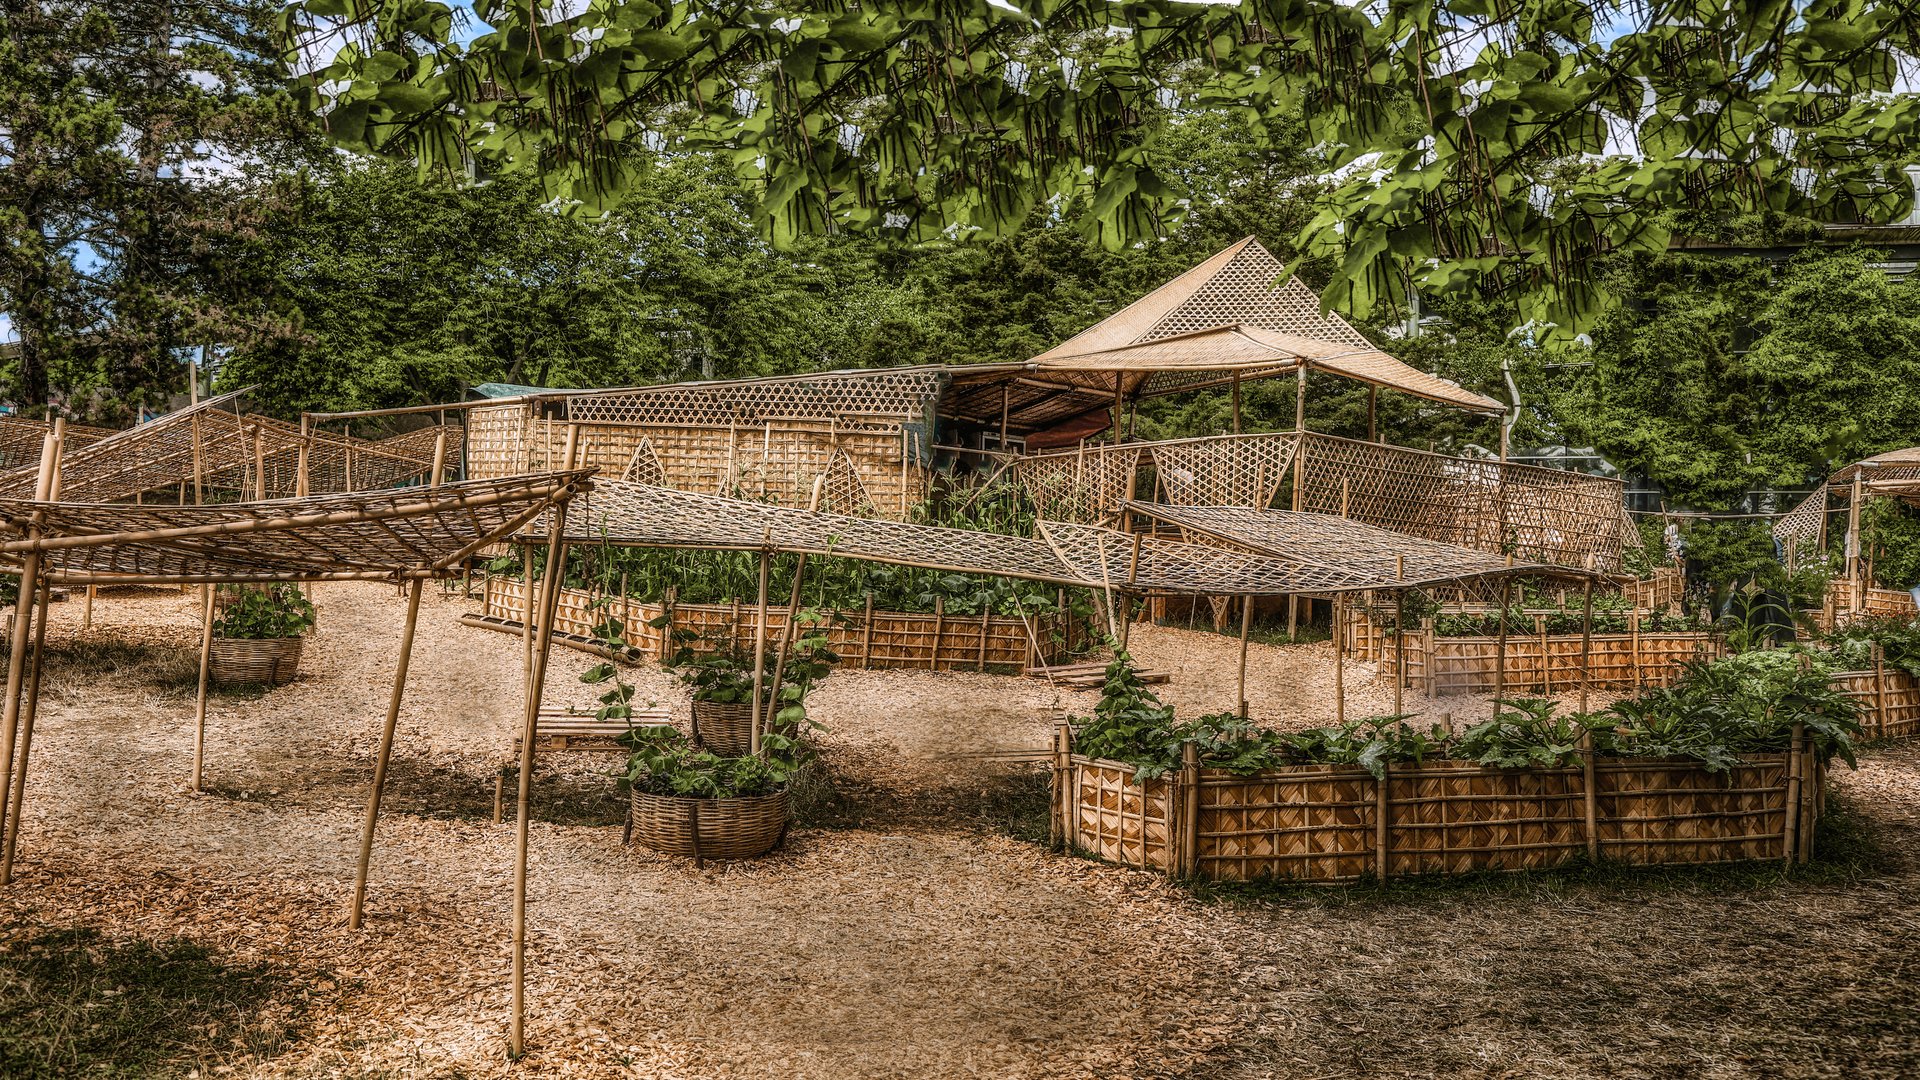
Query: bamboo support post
1586 646
536 685
986 631
1500 648
1246 631
259 465
28 708
86 613
400 665
1795 764
200 698
23 606
757 710
1399 648
1633 631
1879 689
1546 672
1062 768
1853 529
1339 663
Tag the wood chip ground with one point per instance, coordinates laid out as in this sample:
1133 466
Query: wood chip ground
916 944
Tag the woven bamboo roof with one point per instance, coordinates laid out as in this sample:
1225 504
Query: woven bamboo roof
1341 544
383 535
1230 317
20 439
1894 474
637 515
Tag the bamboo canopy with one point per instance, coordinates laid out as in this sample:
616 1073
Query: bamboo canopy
1895 474
1344 546
1066 553
382 535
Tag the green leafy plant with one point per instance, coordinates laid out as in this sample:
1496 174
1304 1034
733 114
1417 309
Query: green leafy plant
1526 732
663 762
1899 639
1746 703
261 612
1373 743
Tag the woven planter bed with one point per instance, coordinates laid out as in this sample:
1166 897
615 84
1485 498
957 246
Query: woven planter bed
1327 823
710 828
1847 601
863 638
724 727
254 661
1889 700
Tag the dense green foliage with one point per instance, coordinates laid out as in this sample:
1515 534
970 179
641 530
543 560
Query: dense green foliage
1899 641
1744 704
1494 147
265 611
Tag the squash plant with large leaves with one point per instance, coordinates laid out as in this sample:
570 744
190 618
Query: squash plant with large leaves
1493 147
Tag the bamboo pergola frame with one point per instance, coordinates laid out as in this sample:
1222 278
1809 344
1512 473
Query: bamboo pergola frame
405 536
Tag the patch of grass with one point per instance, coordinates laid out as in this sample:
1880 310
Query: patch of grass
1847 850
167 668
1016 802
73 1003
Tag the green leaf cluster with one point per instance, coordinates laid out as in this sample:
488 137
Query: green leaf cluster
259 612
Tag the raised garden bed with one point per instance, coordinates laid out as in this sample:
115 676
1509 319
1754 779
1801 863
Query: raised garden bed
861 638
1546 664
1330 823
1888 699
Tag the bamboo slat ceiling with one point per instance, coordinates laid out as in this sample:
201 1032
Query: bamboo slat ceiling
636 515
384 535
1337 543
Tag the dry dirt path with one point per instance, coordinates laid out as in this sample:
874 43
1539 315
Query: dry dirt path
915 943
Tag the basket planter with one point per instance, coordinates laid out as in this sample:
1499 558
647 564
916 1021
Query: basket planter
724 727
739 828
254 661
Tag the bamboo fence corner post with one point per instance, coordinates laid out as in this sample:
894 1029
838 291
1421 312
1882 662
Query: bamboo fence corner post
1590 795
1062 787
23 606
1428 669
986 632
1382 836
1189 864
1546 672
1246 630
1790 834
1633 629
86 614
536 684
939 628
866 636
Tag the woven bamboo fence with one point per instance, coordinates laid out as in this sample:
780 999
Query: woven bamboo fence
1667 588
1888 698
1323 823
1546 663
1848 601
863 638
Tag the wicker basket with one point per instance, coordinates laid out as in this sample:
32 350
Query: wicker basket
724 727
710 828
254 661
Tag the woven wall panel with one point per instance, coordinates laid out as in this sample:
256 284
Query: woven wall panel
1888 698
1224 472
1084 486
1249 289
1466 665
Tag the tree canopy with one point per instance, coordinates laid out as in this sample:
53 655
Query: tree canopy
1502 148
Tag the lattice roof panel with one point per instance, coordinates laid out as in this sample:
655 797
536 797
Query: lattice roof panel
900 394
1238 285
366 535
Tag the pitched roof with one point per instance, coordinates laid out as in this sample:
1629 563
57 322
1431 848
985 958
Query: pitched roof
1235 286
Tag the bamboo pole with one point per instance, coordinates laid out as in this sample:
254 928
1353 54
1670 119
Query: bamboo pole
1339 662
1853 529
200 695
1795 764
23 621
1246 629
400 665
529 737
1586 646
198 469
1382 806
86 613
28 708
259 465
1500 648
1189 809
760 646
1399 648
302 482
